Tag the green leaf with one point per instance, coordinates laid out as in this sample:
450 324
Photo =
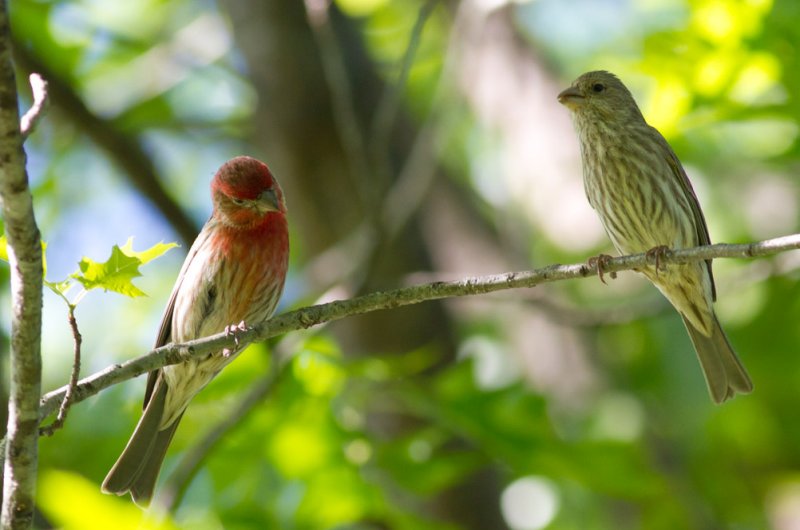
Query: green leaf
148 255
117 273
59 287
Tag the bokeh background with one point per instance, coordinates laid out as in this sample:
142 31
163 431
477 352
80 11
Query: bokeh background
415 141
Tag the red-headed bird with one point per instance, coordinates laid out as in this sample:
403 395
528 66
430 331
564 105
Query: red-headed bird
234 273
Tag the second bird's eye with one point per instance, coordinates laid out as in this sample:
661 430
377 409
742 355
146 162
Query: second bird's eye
237 202
598 87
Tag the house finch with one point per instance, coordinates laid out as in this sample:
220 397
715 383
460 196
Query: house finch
646 204
234 273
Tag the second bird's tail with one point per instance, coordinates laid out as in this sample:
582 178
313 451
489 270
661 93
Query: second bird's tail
725 375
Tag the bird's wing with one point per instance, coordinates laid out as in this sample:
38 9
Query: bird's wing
165 329
699 220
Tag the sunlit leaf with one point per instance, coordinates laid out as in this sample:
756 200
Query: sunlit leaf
146 256
117 273
72 502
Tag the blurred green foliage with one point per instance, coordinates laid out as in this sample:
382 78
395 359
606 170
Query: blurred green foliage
602 422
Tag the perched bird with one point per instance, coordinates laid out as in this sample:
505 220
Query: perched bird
646 203
234 273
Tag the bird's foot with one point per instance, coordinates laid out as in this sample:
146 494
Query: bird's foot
599 263
658 253
233 330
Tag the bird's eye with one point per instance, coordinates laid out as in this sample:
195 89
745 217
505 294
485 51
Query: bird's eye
237 202
598 87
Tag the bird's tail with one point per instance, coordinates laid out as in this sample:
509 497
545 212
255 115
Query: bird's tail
724 373
137 468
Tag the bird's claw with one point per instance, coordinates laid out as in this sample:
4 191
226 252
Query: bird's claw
657 254
233 330
599 263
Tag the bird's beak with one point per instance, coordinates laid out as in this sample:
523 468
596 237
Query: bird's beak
571 97
268 201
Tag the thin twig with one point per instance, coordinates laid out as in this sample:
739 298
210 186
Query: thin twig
389 104
77 340
318 314
344 112
420 166
34 115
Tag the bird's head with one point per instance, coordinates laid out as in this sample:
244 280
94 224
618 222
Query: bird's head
245 192
600 94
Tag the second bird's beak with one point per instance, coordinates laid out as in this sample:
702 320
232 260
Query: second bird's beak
571 97
268 201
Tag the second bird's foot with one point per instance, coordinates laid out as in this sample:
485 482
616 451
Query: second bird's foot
599 263
658 253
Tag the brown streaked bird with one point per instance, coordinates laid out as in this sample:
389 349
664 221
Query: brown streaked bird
646 203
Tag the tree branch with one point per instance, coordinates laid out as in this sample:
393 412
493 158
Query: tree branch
318 314
25 260
31 118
